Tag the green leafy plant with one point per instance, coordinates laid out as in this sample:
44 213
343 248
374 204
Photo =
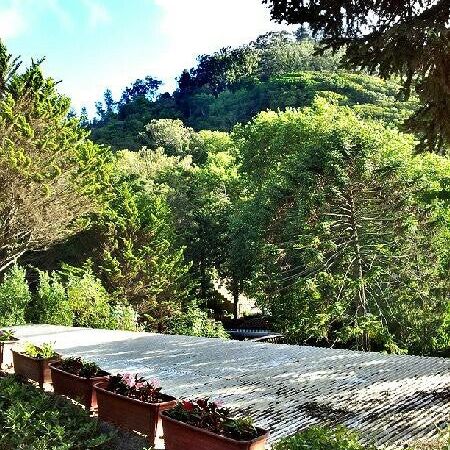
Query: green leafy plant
92 305
43 351
45 193
31 419
140 261
81 368
6 335
210 415
321 438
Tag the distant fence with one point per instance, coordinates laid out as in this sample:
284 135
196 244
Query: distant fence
243 334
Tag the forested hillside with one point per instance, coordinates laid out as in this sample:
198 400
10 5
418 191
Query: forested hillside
269 168
276 71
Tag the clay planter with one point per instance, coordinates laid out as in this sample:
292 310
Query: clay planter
75 387
5 351
131 414
179 435
36 369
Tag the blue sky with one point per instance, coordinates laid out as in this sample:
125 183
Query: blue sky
94 44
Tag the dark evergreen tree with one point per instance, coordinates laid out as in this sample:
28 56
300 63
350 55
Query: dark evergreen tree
109 101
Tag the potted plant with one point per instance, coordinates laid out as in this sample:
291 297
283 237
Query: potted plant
133 404
205 425
33 362
7 342
75 378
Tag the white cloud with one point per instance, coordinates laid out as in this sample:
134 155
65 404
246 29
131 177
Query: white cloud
57 8
12 22
196 27
98 14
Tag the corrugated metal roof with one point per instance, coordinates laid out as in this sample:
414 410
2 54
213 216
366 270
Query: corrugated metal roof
391 400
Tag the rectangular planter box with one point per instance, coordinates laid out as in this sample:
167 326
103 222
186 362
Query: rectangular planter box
75 387
179 435
131 414
36 369
5 351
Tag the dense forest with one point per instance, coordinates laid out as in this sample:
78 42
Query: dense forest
270 169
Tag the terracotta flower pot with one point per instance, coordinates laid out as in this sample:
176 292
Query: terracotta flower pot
75 387
36 369
131 414
5 351
179 435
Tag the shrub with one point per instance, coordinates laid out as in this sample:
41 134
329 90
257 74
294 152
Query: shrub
88 299
123 317
14 297
30 419
92 305
321 438
51 304
195 322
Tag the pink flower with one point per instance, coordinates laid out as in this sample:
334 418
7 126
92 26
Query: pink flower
128 379
218 402
155 383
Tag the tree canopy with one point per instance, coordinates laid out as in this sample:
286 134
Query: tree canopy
409 39
269 173
51 174
276 70
339 234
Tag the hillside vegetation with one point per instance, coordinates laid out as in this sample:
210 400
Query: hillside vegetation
269 168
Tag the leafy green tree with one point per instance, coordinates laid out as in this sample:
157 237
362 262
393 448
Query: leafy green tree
408 39
51 174
169 134
200 197
84 118
14 297
88 299
286 55
140 88
91 305
346 248
140 261
224 69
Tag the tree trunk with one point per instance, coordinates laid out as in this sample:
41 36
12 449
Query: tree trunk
203 278
235 292
361 301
